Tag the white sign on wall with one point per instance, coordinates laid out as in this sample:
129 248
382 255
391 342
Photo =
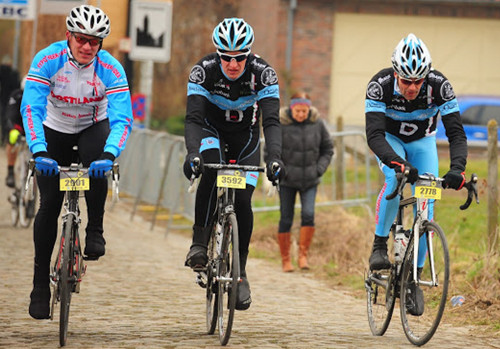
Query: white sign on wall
18 9
59 7
151 31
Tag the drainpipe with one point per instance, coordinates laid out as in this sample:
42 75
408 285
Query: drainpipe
289 42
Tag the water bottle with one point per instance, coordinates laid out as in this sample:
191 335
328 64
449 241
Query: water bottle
400 244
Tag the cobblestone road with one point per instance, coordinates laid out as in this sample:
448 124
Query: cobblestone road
141 296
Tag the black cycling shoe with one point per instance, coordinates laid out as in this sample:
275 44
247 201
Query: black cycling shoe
415 297
10 181
40 303
379 260
197 258
243 298
94 246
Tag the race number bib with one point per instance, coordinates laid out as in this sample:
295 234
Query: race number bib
231 179
74 181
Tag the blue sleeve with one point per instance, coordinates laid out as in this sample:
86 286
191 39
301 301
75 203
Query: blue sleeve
119 109
34 104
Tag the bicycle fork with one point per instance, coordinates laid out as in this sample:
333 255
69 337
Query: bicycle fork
420 220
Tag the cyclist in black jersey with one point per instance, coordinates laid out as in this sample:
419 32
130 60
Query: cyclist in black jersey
402 105
227 92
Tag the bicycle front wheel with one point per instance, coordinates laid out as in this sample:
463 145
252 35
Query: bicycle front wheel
66 282
228 275
380 300
423 302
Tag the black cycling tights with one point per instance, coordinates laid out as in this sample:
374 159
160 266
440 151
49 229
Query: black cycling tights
206 195
90 144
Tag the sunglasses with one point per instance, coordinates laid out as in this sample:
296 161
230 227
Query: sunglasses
240 57
81 40
408 82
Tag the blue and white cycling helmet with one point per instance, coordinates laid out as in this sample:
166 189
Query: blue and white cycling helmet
89 20
411 58
233 34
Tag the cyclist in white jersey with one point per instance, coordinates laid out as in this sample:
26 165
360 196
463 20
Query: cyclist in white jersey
76 94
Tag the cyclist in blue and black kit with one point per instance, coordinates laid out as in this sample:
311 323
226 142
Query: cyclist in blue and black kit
227 92
75 95
402 105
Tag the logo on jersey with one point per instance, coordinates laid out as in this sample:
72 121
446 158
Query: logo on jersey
197 75
269 77
407 129
374 91
447 92
234 115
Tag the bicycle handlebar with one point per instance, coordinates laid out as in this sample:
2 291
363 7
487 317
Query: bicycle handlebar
114 173
471 187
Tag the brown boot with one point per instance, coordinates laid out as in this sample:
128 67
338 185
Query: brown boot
284 242
306 234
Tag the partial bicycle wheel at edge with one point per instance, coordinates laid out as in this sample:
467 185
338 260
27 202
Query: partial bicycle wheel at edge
421 326
65 283
229 274
211 291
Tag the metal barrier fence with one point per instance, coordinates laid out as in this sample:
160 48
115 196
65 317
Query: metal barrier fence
151 172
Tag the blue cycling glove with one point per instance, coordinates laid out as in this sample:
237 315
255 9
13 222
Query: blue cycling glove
99 168
46 166
102 166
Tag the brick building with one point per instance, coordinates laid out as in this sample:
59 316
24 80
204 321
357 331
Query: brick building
330 48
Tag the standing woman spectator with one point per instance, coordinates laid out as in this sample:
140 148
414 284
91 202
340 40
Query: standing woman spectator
307 150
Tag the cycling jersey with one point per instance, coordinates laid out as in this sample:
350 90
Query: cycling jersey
68 97
232 106
388 111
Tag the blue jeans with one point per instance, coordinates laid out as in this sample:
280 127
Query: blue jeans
287 206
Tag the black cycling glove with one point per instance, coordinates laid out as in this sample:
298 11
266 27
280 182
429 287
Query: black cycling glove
193 165
275 170
402 167
454 180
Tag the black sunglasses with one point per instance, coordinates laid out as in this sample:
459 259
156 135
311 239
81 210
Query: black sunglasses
240 57
408 82
81 40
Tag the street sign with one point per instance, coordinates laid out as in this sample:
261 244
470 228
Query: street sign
151 31
18 9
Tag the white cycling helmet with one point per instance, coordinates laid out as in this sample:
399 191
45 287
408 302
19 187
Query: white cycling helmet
90 20
233 34
411 58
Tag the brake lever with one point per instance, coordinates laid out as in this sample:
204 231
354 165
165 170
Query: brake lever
471 192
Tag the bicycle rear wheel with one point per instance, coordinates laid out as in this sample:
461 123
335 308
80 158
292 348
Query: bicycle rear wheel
211 291
65 281
421 320
228 272
380 300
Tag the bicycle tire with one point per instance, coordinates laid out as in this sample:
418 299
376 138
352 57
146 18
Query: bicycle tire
27 204
228 271
419 329
211 291
65 280
380 300
14 211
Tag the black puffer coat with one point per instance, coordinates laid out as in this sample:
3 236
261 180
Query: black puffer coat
307 149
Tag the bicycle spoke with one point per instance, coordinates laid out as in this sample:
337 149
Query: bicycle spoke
380 300
421 317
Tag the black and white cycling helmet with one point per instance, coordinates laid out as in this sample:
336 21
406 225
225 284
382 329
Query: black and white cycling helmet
233 34
411 58
90 20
